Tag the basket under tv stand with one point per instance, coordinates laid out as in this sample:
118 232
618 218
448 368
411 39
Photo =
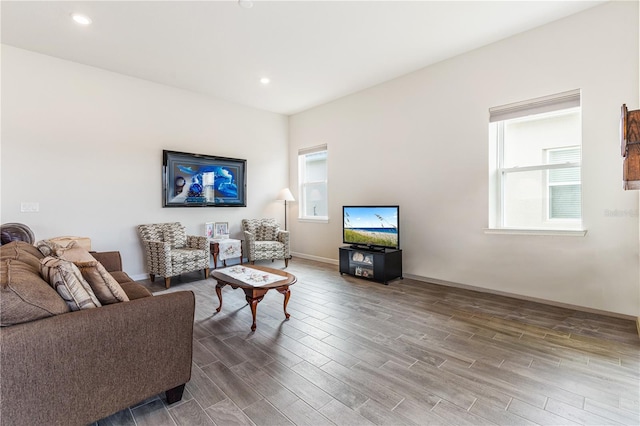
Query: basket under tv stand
372 263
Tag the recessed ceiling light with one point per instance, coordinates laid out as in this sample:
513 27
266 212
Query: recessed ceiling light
265 80
245 4
81 19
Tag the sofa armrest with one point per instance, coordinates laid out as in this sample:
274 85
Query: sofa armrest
250 241
79 367
111 260
283 237
198 242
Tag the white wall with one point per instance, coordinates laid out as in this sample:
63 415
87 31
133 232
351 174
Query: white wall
86 144
421 141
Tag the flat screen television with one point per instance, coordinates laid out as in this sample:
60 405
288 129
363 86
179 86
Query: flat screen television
371 226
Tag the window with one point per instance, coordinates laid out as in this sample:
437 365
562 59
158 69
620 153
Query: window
535 164
312 174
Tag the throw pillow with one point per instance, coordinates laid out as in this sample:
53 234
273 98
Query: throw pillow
24 296
104 286
175 235
66 279
73 253
22 251
268 232
48 247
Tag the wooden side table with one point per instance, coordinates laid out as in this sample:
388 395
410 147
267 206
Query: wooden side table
214 246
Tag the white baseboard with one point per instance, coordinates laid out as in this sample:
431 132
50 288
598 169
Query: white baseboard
139 277
316 258
527 298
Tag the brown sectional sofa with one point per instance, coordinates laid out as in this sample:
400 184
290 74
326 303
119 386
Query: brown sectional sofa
74 368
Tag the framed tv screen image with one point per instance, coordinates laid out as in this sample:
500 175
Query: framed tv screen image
197 180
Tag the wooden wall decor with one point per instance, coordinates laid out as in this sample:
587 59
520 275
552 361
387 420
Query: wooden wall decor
630 146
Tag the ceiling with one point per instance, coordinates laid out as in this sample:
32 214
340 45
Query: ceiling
312 51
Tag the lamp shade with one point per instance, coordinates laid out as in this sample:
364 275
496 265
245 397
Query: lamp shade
285 195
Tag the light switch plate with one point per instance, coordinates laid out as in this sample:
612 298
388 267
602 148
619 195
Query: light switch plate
29 206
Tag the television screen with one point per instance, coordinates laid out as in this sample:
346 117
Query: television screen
371 226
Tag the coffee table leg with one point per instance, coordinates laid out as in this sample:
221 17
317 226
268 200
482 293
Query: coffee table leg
287 294
254 305
219 293
254 296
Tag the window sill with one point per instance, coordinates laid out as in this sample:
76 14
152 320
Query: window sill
547 232
321 219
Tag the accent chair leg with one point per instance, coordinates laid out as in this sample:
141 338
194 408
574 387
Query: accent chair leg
152 277
286 263
175 394
167 282
206 272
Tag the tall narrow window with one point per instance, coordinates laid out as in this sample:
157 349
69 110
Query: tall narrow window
535 163
312 175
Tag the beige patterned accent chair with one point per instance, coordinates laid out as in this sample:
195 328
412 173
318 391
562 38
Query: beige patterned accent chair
265 240
170 251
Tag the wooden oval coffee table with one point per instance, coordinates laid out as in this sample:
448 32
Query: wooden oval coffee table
251 283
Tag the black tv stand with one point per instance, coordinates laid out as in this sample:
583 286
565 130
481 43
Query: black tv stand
372 263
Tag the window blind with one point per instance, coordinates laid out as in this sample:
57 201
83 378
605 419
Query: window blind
540 105
565 190
313 149
565 202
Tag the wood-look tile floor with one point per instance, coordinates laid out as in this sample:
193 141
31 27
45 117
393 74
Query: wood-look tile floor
357 352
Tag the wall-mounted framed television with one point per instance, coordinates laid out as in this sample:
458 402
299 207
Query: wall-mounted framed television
371 226
198 180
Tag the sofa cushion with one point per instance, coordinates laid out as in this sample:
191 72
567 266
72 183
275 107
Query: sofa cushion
25 252
184 256
25 296
135 291
267 232
175 234
66 279
121 276
104 286
270 249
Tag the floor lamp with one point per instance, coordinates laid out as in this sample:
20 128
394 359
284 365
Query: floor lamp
285 195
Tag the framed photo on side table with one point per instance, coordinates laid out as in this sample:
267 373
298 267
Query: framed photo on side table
209 229
221 230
